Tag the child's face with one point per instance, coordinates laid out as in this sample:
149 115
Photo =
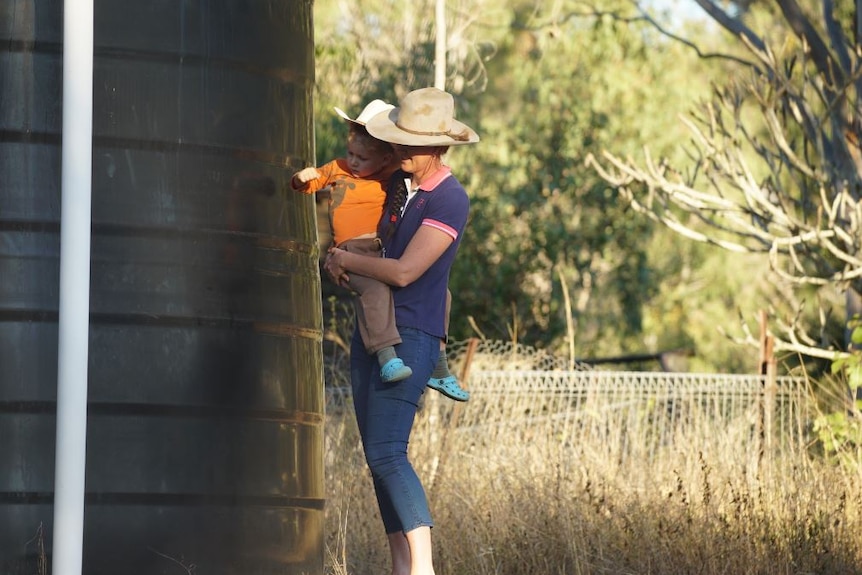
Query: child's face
363 160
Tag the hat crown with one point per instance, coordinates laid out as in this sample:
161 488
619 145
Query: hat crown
427 111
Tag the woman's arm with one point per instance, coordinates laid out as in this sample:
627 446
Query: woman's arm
426 246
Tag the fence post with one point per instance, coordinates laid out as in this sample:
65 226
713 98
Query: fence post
767 369
472 344
450 426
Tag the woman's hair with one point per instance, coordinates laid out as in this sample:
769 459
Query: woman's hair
397 192
358 133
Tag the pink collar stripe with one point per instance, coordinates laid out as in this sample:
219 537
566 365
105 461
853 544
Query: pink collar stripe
434 180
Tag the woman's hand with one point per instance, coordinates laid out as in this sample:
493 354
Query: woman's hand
334 267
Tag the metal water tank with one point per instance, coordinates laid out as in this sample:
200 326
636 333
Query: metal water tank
205 439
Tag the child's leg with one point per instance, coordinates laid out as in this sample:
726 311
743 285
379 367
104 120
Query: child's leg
441 370
375 317
441 378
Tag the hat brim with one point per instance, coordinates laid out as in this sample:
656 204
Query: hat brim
383 127
344 116
371 109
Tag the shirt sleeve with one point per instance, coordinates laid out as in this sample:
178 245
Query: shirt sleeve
327 173
448 207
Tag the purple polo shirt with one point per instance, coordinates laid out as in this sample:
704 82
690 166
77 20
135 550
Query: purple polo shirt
441 203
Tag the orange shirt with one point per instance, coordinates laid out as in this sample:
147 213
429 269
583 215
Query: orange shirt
355 205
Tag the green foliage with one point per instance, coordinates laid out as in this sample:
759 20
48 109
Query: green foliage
545 85
840 432
852 365
538 210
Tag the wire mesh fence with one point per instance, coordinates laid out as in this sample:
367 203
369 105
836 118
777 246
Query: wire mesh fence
531 398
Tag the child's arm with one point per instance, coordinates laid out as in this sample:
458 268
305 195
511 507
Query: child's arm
425 248
300 179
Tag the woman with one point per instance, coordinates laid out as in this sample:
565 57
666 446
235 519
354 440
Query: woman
421 230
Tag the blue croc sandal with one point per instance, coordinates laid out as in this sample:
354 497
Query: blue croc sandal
394 370
449 387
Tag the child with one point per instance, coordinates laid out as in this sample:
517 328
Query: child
357 186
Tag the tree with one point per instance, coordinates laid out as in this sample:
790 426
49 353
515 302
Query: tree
370 49
776 165
562 84
544 84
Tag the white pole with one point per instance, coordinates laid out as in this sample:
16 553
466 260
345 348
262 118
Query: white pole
440 46
74 322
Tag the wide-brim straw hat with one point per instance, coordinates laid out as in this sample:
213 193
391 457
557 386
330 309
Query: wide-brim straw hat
424 117
373 108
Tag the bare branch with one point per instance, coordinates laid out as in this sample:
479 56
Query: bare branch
643 17
806 213
777 132
732 25
790 342
804 30
836 37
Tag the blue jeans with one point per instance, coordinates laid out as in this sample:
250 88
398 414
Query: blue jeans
385 413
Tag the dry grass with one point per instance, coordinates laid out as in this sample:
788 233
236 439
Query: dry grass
536 505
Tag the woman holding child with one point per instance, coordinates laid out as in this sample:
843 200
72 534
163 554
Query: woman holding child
421 229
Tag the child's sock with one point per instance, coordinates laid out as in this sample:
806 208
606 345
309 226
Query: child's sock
385 354
441 370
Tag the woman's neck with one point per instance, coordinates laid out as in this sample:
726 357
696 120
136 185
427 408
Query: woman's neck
429 170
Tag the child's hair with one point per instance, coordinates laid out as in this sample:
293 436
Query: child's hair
357 132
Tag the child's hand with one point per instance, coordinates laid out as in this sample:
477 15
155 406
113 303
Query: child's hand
305 175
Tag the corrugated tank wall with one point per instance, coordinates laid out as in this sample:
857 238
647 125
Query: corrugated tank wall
205 439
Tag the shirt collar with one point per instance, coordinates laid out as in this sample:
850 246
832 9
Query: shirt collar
434 180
